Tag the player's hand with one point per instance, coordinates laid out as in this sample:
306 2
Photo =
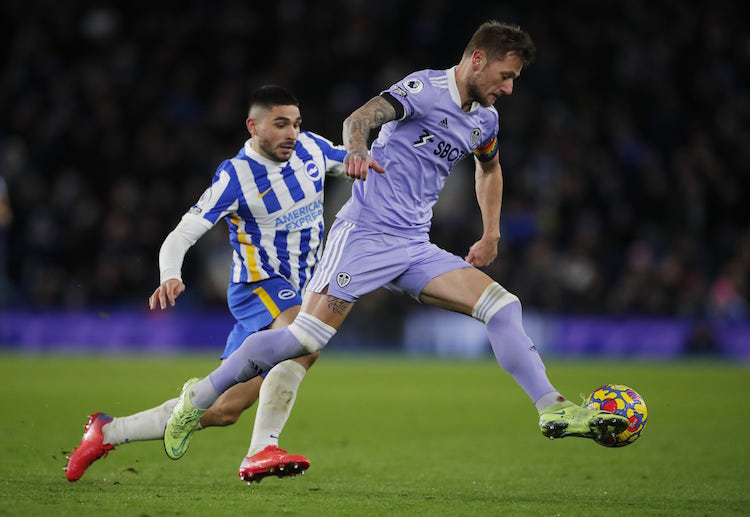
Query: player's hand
482 252
357 164
169 290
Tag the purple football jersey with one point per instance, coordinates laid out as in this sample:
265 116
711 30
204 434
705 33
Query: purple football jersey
418 152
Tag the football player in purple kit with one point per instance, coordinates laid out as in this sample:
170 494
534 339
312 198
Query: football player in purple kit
428 121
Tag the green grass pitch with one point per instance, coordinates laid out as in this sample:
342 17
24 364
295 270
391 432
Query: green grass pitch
386 436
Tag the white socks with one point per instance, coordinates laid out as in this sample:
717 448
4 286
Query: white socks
276 398
146 425
548 399
277 395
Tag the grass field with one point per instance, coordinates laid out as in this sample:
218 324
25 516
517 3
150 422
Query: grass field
386 436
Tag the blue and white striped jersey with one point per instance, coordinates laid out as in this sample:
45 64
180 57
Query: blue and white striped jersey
274 209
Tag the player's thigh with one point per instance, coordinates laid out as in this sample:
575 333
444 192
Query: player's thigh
285 318
458 290
327 308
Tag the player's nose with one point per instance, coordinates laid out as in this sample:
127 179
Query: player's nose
507 87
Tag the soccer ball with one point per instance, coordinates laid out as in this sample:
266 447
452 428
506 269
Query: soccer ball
624 401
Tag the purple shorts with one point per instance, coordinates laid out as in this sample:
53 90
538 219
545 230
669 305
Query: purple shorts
357 260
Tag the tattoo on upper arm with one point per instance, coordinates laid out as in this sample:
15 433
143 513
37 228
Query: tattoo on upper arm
338 305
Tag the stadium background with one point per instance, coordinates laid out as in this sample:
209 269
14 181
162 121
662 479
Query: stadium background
625 148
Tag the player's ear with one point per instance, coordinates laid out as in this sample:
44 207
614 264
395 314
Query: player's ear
478 58
251 125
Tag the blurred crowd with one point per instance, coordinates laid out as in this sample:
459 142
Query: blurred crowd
625 146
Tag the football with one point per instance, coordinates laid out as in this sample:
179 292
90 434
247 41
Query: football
624 401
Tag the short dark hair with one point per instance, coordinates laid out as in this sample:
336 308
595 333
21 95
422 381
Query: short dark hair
496 39
271 95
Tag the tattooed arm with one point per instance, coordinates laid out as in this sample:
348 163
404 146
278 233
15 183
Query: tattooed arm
373 114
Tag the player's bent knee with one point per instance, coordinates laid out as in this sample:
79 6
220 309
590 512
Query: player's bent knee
494 298
307 360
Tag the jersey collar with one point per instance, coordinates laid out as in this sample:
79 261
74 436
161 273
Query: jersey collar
453 89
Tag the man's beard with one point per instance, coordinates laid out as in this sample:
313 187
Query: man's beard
476 95
270 151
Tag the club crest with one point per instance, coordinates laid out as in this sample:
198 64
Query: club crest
476 134
312 171
343 279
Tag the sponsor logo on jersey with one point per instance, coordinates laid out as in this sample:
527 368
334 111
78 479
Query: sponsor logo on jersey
302 217
448 151
312 171
444 123
443 149
286 294
425 137
261 194
413 85
343 279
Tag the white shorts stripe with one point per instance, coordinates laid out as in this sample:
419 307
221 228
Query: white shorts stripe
331 255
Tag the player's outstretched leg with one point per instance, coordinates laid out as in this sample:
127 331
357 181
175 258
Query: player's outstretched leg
272 461
516 353
568 419
182 422
90 449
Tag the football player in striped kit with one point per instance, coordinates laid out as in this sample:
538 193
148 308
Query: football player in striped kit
428 121
271 196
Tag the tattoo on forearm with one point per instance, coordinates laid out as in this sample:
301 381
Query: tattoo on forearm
358 133
380 115
376 112
338 305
